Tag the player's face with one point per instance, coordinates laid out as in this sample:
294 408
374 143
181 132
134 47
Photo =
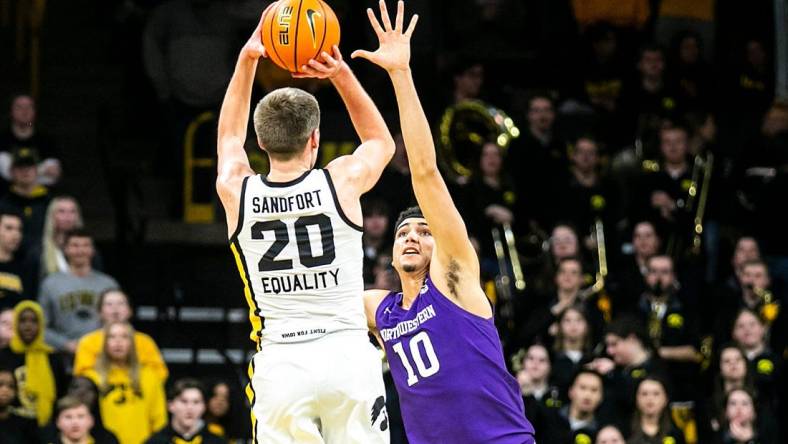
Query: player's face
733 366
413 245
115 307
75 423
187 408
10 232
651 398
586 392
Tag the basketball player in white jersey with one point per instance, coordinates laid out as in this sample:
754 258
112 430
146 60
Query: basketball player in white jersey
296 237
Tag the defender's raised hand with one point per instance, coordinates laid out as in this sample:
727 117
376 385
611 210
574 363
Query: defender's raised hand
394 51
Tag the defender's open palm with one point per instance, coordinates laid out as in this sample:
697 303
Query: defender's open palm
394 51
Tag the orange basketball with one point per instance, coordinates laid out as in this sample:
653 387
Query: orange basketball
295 31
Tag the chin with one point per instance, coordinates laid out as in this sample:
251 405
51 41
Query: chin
409 268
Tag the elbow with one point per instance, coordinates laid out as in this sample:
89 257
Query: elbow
424 172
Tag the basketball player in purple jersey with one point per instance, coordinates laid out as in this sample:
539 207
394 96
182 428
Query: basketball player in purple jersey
443 349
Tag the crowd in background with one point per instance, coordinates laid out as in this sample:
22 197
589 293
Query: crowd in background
651 122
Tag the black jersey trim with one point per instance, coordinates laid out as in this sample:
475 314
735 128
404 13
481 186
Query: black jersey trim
252 299
336 203
240 225
288 183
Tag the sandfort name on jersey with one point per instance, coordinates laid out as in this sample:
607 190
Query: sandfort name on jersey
301 201
405 327
300 282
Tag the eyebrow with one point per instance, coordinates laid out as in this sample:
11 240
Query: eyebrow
421 224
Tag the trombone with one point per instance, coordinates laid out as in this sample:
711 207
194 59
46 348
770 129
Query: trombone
598 232
511 253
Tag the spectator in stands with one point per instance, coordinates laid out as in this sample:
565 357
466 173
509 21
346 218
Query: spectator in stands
667 311
62 216
749 333
14 428
15 279
468 78
651 422
629 276
609 434
734 373
647 99
572 346
69 298
394 186
42 372
541 324
23 133
26 196
113 306
131 396
75 424
532 368
186 404
490 201
588 194
86 392
578 421
6 326
376 235
677 17
690 75
631 358
741 423
224 413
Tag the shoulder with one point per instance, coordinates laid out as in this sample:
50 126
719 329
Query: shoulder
144 340
95 337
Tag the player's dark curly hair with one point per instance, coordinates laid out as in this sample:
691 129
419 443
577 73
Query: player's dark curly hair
408 213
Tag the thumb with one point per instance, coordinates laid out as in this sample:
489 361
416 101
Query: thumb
360 53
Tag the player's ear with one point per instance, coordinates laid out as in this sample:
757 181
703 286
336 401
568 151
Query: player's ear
315 138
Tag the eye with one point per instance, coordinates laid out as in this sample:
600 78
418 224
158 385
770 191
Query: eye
402 234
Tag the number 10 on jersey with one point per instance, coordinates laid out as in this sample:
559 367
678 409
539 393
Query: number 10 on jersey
426 368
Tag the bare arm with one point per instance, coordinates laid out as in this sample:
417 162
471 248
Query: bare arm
455 265
233 165
377 146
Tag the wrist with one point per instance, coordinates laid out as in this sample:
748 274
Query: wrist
343 73
400 73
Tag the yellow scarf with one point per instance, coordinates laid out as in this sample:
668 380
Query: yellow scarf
37 387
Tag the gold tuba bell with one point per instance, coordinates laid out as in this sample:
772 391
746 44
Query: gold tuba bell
464 128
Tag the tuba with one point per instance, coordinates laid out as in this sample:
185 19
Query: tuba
464 128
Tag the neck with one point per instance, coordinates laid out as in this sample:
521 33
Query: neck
492 180
22 131
731 384
586 178
750 298
283 171
80 270
573 344
5 412
753 351
676 167
652 84
567 294
187 432
65 440
5 255
579 415
23 189
649 421
411 285
640 357
542 136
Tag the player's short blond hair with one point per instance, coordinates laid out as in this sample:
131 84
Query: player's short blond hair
283 121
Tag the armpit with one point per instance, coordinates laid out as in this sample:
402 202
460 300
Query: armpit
453 276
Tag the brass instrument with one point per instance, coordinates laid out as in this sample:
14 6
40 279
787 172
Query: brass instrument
708 165
514 257
598 232
503 282
464 128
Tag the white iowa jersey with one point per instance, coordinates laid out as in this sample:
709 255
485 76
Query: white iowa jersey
300 258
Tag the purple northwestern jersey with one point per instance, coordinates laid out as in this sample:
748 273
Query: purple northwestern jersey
450 373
